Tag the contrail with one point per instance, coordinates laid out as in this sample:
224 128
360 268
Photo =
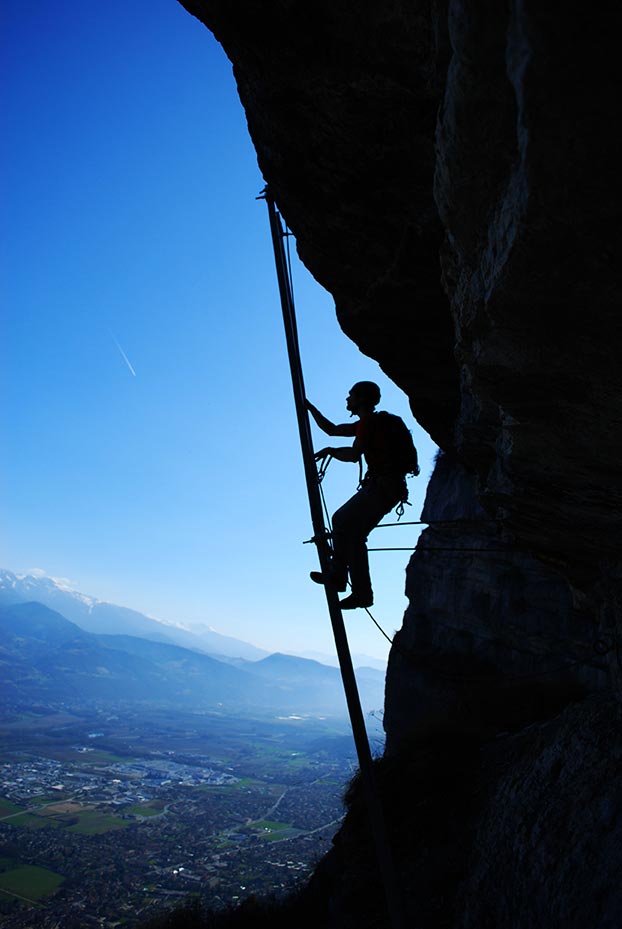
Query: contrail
123 355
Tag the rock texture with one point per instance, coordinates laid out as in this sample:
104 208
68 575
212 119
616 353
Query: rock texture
450 171
553 821
526 184
493 639
520 831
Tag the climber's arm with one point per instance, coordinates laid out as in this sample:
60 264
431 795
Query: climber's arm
344 453
343 429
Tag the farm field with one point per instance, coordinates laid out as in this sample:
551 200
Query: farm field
74 817
7 808
30 882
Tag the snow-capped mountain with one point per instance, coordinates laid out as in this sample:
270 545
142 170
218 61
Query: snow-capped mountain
99 617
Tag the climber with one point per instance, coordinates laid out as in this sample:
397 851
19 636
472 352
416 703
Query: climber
385 442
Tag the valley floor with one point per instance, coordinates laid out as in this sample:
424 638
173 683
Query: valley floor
108 815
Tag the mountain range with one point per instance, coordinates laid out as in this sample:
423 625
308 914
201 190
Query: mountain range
98 616
47 658
94 615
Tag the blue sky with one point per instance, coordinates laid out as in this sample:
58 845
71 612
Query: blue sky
170 482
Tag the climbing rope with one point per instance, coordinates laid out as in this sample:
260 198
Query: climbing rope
443 548
435 522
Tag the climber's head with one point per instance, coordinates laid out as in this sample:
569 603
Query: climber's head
363 397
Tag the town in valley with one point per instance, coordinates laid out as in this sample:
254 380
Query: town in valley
110 813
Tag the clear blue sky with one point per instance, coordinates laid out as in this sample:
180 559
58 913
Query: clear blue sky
170 482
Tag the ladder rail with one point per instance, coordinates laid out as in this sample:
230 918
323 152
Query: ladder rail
374 807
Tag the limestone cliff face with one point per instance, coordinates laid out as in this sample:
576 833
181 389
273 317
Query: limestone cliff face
450 171
492 639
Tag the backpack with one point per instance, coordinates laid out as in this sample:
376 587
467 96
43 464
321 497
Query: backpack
391 448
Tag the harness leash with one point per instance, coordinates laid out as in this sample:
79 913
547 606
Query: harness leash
323 468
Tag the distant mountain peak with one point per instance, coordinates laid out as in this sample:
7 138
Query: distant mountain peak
99 616
36 579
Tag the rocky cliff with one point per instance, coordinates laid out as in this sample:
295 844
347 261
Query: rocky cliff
450 171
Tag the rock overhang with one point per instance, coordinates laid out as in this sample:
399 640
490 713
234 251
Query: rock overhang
448 171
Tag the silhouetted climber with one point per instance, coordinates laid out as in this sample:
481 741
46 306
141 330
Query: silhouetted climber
387 446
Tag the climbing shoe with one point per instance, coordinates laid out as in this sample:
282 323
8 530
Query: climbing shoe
318 578
353 602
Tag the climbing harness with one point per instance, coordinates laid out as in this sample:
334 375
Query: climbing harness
376 816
